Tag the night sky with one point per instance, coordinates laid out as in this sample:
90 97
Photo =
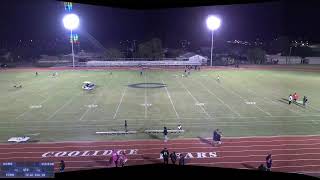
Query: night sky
42 19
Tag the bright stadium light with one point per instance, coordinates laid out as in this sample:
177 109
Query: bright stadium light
213 23
71 22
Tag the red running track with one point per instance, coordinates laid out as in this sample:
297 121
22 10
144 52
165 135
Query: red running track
300 154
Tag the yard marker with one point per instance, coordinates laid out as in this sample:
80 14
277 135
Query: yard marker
244 99
196 101
219 99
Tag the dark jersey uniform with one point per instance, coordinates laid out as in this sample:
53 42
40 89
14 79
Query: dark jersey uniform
165 155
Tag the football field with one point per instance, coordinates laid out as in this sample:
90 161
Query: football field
243 103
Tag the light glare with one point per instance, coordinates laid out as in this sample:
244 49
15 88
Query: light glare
71 21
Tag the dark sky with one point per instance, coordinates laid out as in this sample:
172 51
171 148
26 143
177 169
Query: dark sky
41 19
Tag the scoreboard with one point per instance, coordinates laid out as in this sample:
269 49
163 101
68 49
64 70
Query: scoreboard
27 170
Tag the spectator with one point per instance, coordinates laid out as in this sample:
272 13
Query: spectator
269 162
216 137
62 166
181 160
173 157
179 127
114 158
123 158
165 155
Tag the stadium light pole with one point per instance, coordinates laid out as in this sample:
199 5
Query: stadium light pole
71 22
213 23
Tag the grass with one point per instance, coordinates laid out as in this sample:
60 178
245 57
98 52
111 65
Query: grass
65 116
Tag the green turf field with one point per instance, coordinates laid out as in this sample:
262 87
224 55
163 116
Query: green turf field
57 109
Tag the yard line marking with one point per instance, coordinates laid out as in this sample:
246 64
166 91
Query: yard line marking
58 110
312 107
145 96
197 102
95 101
243 99
232 110
31 109
123 93
274 102
171 100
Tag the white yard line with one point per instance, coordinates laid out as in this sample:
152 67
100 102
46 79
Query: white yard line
145 97
44 101
196 101
208 90
171 101
231 91
95 101
123 93
274 102
64 105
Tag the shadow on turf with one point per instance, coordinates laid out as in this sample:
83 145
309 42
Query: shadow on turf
152 136
283 100
204 140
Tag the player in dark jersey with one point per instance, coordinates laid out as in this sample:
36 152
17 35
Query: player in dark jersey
125 126
62 166
173 157
165 155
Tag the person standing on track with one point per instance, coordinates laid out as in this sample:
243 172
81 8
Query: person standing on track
173 157
269 162
62 166
165 155
216 137
290 99
218 79
181 159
